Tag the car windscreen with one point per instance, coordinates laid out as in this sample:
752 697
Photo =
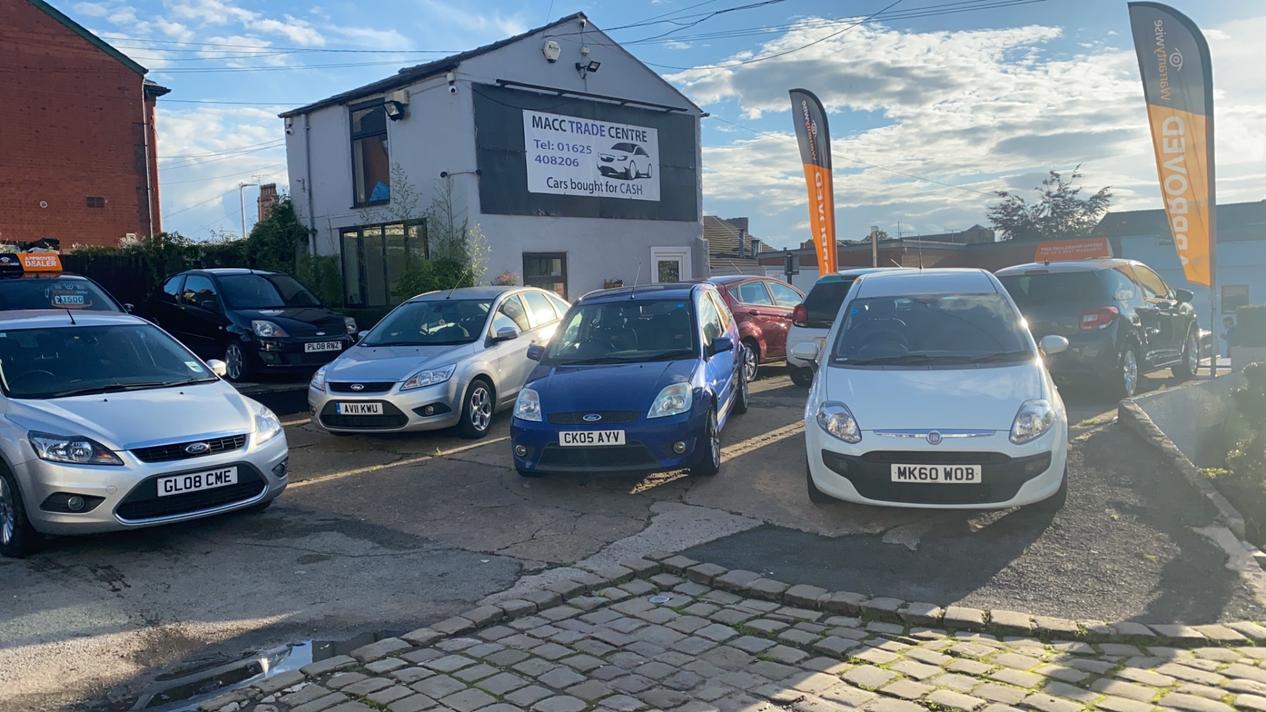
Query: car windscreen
434 322
58 293
1074 290
84 360
625 331
260 291
931 330
823 302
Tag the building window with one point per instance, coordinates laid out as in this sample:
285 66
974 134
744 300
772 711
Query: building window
547 270
96 201
1234 296
376 257
371 163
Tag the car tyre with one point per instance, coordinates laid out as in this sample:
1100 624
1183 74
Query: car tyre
751 359
708 457
628 172
801 376
742 397
17 537
236 366
1126 380
816 495
1189 362
478 407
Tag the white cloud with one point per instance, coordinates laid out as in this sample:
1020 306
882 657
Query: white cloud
91 9
373 38
465 17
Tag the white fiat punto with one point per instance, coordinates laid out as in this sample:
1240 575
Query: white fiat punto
931 393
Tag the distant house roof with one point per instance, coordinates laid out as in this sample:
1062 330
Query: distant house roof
723 236
1236 222
721 266
84 33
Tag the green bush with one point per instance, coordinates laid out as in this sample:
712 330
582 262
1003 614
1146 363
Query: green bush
1243 481
1250 325
430 275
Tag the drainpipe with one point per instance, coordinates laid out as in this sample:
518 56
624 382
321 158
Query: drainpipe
307 181
149 181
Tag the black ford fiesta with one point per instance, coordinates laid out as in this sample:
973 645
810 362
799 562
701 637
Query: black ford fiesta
257 322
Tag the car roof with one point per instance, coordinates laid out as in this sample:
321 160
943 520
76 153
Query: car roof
645 292
927 281
485 292
844 274
1067 266
46 318
729 278
45 275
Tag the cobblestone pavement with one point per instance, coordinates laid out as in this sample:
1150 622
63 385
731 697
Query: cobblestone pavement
672 633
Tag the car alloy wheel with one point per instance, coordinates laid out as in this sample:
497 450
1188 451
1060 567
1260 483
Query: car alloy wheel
709 451
234 360
1129 371
1191 354
751 362
480 407
8 514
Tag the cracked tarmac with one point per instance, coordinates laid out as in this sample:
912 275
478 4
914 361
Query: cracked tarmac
391 533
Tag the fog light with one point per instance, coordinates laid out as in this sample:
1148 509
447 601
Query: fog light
75 503
282 468
429 410
520 451
679 447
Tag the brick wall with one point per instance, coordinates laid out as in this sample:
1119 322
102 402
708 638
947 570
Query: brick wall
71 127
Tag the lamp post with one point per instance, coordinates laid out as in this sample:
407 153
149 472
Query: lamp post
241 204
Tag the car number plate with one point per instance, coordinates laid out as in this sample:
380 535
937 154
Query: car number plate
197 481
317 346
937 474
358 408
590 438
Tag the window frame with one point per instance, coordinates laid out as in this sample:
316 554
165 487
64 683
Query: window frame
361 269
509 299
215 290
737 290
353 137
561 256
531 313
1139 272
771 283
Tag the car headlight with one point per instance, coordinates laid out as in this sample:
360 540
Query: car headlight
1034 418
267 425
428 377
674 399
318 380
838 422
266 329
350 323
528 405
72 450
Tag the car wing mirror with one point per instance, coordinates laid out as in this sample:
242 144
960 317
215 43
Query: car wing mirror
536 352
360 336
129 307
506 333
218 367
1052 344
1184 295
209 305
805 351
720 344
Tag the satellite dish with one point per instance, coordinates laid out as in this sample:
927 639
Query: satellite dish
552 50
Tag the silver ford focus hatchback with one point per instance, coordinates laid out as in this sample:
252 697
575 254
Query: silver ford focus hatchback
108 423
439 360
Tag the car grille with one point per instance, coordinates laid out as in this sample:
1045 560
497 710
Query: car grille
1001 476
365 386
614 458
391 418
143 502
608 416
176 451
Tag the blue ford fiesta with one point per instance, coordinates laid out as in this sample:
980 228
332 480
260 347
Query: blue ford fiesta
635 380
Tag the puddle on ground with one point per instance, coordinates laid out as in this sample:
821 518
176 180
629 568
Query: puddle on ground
183 688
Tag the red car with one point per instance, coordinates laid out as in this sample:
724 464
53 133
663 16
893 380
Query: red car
762 306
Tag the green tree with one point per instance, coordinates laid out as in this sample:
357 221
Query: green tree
1059 211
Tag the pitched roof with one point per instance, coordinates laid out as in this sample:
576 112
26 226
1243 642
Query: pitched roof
1236 222
418 72
84 33
723 236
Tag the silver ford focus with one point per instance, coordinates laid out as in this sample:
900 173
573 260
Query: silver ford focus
108 423
439 360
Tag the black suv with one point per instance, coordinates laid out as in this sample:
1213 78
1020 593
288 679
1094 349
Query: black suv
1119 316
256 321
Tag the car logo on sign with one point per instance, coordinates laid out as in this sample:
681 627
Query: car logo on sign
358 386
934 438
198 448
592 417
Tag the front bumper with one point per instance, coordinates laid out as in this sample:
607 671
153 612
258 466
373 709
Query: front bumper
402 412
648 444
290 353
1011 475
126 497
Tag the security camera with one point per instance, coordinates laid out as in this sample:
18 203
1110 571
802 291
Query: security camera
452 88
584 22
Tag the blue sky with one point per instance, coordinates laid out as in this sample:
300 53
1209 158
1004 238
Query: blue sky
933 103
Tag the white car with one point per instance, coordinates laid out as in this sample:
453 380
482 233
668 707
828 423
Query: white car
932 394
811 320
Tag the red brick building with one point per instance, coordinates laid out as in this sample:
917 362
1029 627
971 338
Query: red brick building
78 150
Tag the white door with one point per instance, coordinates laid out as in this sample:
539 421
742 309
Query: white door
670 264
